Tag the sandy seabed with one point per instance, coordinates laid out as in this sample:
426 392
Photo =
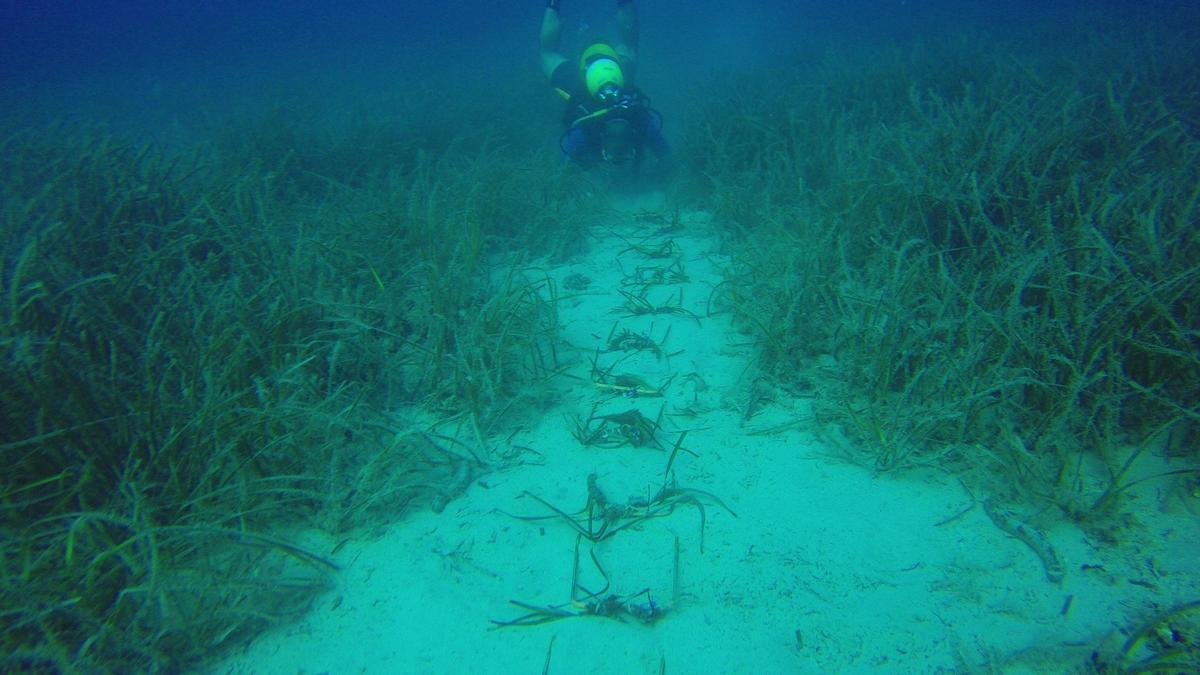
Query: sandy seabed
825 567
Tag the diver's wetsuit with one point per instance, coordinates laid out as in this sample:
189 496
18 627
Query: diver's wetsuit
584 142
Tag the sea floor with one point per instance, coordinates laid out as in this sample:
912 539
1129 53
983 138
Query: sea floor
825 568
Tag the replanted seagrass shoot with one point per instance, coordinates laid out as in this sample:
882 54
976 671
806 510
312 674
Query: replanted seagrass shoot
639 606
601 518
614 430
638 305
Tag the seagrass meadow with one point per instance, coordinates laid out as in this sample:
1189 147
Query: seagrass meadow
981 258
238 349
203 351
997 248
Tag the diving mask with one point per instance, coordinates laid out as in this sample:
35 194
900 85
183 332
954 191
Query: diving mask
609 94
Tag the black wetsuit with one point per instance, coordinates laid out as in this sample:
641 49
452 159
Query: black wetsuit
583 143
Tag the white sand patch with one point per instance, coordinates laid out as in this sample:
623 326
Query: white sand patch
825 568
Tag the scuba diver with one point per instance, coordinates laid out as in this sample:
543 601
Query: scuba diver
608 120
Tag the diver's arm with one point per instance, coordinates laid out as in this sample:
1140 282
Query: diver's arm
550 38
627 28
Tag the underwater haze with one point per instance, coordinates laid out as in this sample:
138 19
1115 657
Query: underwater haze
854 337
159 63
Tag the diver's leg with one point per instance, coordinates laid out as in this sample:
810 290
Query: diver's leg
550 39
654 138
627 31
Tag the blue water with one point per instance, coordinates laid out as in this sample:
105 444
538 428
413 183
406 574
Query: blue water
147 65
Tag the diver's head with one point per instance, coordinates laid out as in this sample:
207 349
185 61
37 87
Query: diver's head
601 70
619 141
